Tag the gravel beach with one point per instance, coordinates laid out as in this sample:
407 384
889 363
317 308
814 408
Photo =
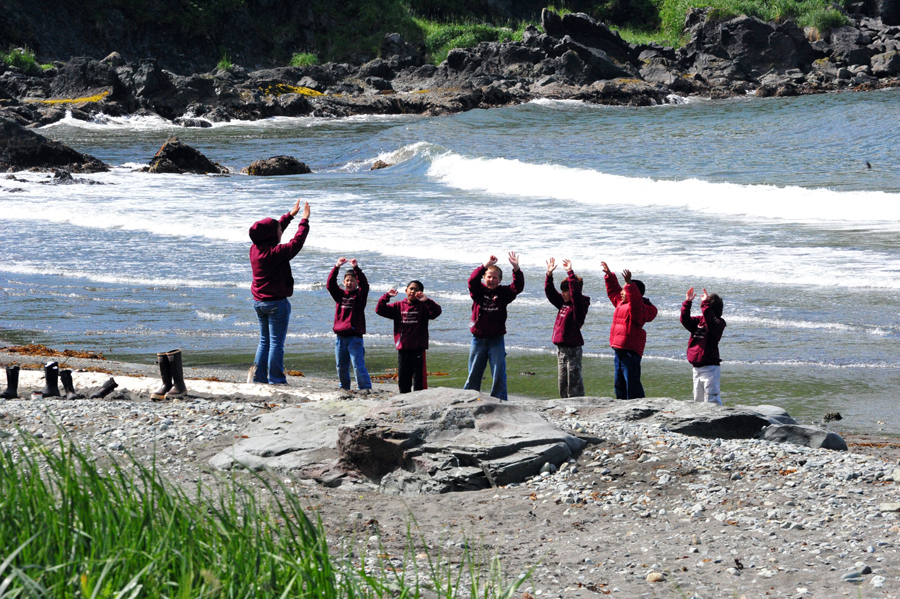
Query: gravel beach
641 513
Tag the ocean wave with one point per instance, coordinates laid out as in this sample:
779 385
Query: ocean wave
118 279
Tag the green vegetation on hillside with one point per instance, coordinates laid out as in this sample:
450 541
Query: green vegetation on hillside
440 38
77 526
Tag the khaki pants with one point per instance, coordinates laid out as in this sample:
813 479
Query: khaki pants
568 360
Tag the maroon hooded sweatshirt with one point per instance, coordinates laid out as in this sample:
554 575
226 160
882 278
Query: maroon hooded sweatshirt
410 320
271 261
570 318
350 308
706 332
489 307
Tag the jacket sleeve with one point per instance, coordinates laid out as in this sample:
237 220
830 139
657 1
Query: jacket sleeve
287 251
714 324
687 321
363 285
331 285
476 289
635 303
552 294
613 289
434 310
386 309
518 284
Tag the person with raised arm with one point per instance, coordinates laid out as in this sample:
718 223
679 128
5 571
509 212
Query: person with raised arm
572 306
350 323
703 347
488 325
273 284
410 316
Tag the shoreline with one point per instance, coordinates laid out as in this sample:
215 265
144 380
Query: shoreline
710 517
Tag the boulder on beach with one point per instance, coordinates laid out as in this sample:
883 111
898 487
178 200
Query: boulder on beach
177 157
277 166
22 149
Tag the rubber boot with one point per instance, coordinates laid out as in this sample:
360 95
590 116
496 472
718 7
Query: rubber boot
165 371
65 376
105 390
179 389
12 383
51 380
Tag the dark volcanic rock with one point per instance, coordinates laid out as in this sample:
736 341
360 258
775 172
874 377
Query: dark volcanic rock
177 157
83 77
21 149
277 166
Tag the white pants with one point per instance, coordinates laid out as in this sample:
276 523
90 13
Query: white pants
706 384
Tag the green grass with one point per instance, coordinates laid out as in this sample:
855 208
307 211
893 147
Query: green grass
440 38
73 526
304 59
21 58
225 64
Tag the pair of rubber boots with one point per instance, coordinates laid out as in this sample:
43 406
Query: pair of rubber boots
171 370
52 377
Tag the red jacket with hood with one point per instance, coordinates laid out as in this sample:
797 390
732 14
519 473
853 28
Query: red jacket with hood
350 308
410 320
706 331
271 261
627 330
489 307
570 318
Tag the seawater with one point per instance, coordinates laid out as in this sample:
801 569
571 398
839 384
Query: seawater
768 202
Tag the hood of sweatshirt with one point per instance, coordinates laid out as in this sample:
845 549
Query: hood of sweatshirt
265 232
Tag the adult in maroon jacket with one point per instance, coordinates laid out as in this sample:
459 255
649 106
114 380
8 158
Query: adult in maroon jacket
410 317
573 307
703 348
489 301
350 323
272 284
627 336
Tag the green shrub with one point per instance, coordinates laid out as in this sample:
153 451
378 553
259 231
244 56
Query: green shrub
225 64
304 59
825 19
21 58
440 38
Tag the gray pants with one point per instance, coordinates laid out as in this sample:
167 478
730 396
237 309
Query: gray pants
568 360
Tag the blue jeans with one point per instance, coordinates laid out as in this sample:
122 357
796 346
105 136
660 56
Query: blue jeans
482 351
628 374
273 323
347 351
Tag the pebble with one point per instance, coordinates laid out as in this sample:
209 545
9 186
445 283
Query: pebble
656 577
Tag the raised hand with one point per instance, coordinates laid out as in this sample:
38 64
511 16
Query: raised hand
551 265
567 264
392 292
514 260
491 261
341 261
296 208
353 262
305 209
704 297
420 295
626 274
605 268
690 295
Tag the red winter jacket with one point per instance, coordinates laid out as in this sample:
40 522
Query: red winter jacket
706 331
570 318
271 261
410 320
350 308
627 330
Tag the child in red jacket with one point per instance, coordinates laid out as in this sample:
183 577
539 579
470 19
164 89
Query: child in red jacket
573 307
350 323
410 317
627 336
703 347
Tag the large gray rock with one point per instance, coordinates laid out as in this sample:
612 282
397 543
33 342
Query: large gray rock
431 441
177 157
441 440
809 436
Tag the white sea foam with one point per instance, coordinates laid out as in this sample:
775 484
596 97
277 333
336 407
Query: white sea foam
211 315
117 279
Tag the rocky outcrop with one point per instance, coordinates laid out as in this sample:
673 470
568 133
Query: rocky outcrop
21 149
574 57
177 157
277 166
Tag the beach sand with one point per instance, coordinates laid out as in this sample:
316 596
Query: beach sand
708 518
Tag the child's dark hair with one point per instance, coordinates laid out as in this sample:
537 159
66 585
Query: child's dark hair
416 283
350 273
640 286
564 284
716 303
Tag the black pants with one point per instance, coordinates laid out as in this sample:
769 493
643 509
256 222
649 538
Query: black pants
411 369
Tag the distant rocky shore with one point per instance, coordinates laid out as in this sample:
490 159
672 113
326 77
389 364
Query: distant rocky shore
574 57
